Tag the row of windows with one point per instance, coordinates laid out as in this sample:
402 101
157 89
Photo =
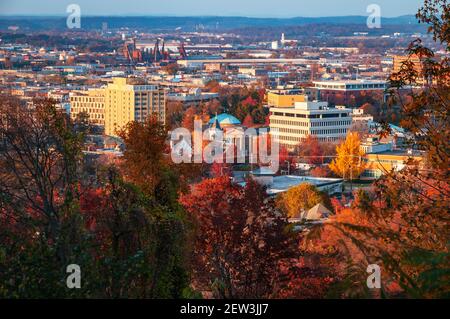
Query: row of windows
293 139
389 162
311 124
314 132
152 107
137 113
84 106
331 131
150 94
154 100
372 173
292 115
311 116
87 99
96 116
334 115
115 101
92 116
351 86
138 103
89 111
331 123
292 123
293 131
330 139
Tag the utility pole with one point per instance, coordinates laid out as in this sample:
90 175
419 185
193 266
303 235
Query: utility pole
351 178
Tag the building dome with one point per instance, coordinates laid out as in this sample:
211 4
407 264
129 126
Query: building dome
225 119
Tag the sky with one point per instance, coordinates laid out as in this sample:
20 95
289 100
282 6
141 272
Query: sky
248 8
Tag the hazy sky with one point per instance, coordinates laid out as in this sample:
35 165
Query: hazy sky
250 8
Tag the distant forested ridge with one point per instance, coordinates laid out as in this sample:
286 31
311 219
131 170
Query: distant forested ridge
210 23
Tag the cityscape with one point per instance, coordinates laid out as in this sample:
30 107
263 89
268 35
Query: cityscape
208 152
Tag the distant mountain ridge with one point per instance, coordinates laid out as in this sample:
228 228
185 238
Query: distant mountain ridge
37 23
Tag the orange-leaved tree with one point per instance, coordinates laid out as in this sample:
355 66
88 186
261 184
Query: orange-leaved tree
349 163
143 158
301 198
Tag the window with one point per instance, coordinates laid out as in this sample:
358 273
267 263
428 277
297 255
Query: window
326 116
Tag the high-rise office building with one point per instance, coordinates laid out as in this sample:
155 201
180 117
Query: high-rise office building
126 102
309 118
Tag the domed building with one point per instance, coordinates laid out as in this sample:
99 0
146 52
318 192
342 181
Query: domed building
229 127
224 120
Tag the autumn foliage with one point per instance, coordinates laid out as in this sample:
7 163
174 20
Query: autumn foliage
349 163
241 238
300 199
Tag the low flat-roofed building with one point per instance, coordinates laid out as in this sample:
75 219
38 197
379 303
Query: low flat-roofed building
393 160
253 71
350 92
279 184
283 183
351 85
194 96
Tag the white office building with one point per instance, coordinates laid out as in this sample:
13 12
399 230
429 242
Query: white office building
309 118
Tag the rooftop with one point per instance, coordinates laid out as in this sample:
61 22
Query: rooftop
399 152
284 183
280 184
225 119
351 82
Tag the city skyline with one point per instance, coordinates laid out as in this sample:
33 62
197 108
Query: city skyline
231 153
251 8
